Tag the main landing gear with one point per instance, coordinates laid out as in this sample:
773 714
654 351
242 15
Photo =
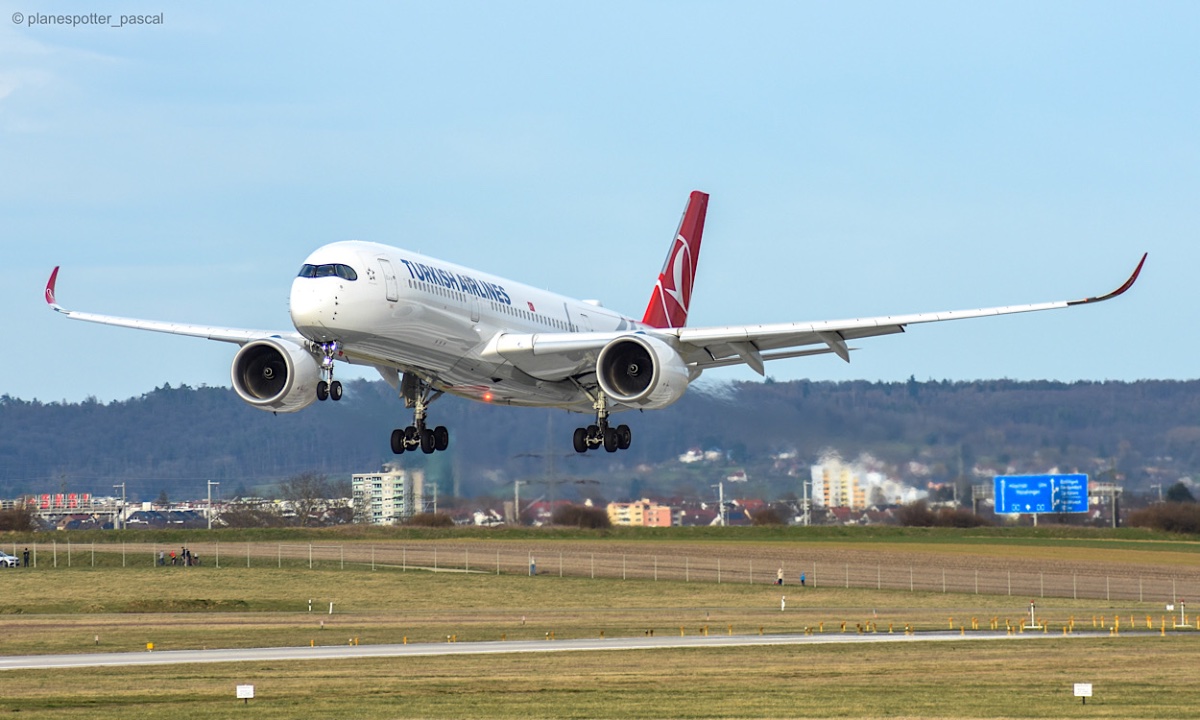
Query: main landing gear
331 389
417 395
600 434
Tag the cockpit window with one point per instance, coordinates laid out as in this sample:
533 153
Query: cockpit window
345 272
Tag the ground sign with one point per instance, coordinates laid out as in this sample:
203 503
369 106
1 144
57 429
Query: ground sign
1018 494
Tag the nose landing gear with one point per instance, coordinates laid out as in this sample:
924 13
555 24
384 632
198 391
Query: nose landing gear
418 394
333 388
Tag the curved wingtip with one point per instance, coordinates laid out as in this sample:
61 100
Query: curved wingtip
1128 284
50 288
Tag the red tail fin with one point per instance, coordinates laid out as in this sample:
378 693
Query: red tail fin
672 294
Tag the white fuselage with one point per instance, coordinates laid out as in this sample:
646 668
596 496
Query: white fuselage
408 312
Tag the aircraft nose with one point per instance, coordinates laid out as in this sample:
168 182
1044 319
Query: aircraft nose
313 307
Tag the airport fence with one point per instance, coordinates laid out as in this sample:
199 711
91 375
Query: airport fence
737 565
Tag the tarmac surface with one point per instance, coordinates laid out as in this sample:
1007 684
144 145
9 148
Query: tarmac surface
346 652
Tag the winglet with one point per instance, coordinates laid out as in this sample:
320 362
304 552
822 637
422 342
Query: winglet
1128 284
50 289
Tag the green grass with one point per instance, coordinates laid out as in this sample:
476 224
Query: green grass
185 608
114 608
1134 678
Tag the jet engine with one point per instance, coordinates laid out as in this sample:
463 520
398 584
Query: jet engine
641 371
276 375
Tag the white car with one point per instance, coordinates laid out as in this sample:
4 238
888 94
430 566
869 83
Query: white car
8 561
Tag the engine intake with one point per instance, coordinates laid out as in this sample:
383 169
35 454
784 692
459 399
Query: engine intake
276 375
642 371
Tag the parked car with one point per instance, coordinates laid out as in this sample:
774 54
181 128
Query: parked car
8 561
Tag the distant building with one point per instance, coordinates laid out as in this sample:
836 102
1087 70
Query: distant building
389 497
836 484
697 455
643 513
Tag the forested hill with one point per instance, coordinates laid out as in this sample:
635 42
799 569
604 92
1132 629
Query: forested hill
173 440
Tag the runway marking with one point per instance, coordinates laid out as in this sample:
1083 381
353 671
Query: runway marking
347 652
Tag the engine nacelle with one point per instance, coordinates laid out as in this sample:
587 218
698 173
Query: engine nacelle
276 375
642 371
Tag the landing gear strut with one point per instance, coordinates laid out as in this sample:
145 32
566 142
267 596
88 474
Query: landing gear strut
601 434
331 389
418 394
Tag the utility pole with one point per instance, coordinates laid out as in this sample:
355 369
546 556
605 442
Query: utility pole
806 513
552 480
210 505
724 517
517 501
119 521
721 499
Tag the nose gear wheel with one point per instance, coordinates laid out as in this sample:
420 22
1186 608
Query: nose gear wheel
329 389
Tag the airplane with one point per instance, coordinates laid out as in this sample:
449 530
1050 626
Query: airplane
431 327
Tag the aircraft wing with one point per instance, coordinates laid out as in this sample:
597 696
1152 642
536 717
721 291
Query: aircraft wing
755 344
557 355
231 335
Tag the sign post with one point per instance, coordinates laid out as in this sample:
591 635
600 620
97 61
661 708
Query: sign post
1038 494
1033 624
1083 691
245 693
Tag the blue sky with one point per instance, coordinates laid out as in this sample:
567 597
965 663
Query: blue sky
863 159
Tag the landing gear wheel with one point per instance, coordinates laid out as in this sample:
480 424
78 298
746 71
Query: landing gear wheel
398 441
600 434
418 393
611 442
327 386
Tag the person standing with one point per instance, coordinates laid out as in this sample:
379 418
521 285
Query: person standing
25 558
779 577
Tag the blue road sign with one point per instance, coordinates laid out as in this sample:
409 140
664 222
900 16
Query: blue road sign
1072 493
1032 494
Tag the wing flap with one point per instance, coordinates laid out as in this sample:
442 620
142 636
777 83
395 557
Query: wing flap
707 347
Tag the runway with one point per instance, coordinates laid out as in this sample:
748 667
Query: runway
347 652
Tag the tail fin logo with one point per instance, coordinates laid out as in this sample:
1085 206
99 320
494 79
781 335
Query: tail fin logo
672 294
678 285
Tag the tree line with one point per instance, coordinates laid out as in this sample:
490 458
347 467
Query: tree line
174 440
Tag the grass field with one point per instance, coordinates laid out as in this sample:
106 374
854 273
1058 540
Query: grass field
114 608
1132 678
